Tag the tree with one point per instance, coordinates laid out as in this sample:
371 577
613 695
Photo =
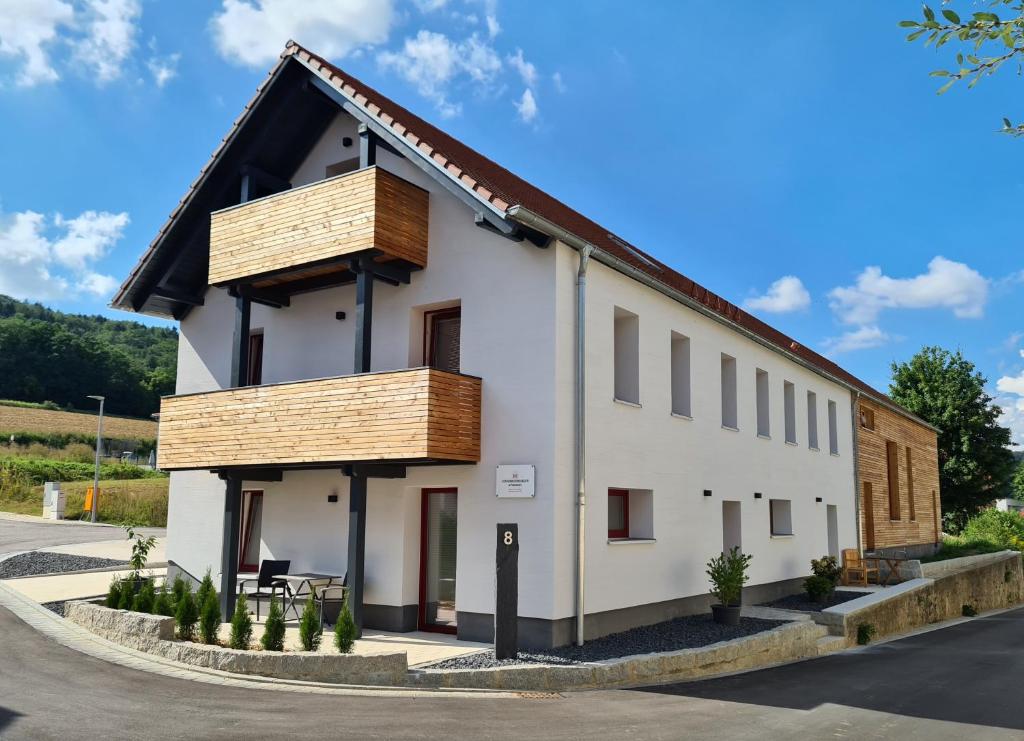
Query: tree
1017 485
241 625
975 462
989 39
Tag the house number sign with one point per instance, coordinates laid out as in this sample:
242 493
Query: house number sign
515 482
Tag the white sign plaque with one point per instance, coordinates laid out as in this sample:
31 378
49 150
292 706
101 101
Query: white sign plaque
515 481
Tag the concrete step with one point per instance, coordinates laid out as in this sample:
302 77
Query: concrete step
830 644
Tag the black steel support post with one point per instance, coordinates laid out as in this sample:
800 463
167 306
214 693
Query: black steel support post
356 547
240 344
364 316
229 553
367 147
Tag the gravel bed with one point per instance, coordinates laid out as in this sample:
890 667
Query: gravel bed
691 631
35 563
57 607
802 603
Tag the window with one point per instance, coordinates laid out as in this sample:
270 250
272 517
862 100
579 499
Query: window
812 420
729 392
630 514
618 513
781 514
732 526
442 338
867 418
892 459
789 401
869 516
680 375
833 429
627 356
764 427
254 372
910 485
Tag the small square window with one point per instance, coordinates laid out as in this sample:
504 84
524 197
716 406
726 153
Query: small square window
867 418
781 515
630 514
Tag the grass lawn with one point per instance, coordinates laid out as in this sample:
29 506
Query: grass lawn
957 548
139 501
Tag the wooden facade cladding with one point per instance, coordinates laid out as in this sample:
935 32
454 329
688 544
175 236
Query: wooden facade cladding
883 456
421 415
318 223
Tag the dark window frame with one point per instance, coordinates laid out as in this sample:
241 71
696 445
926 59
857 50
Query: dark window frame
621 533
429 317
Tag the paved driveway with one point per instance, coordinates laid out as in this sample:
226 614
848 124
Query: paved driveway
28 535
958 683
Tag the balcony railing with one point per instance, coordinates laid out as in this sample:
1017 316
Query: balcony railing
306 232
421 415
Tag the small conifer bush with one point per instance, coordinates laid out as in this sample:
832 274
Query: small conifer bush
186 615
241 625
178 589
205 587
114 594
273 629
162 604
145 598
209 618
310 630
345 630
127 595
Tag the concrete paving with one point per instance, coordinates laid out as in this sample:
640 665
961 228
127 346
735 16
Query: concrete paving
26 533
946 684
59 587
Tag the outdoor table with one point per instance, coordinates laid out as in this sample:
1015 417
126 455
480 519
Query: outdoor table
893 564
298 582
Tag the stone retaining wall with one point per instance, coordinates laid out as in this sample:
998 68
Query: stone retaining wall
995 582
155 634
797 640
933 569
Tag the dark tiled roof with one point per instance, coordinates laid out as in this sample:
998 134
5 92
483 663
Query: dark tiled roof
504 189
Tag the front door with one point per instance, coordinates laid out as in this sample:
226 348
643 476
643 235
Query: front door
438 535
252 521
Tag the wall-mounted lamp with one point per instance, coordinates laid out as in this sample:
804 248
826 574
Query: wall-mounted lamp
758 495
346 141
339 315
707 492
818 500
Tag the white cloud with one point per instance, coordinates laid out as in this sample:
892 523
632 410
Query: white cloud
111 26
35 265
861 338
429 6
946 284
556 78
526 70
1012 416
432 63
253 32
493 29
527 106
1012 384
784 295
27 28
163 69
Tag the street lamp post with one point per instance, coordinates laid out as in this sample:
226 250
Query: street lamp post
96 472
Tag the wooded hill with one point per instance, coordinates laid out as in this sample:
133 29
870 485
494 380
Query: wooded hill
47 355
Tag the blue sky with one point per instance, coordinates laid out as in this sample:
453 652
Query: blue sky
796 144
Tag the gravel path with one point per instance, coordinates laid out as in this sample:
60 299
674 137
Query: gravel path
35 563
57 607
692 631
802 603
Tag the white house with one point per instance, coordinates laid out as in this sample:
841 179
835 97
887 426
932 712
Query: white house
375 308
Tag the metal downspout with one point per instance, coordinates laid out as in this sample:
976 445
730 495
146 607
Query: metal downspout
856 466
581 435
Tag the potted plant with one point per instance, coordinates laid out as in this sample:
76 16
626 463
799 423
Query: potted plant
728 574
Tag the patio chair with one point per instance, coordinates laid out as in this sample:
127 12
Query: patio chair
266 585
334 594
857 568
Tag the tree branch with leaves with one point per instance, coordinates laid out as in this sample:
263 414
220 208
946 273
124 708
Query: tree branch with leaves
977 37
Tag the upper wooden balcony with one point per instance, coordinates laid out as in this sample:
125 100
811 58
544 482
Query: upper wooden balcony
298 239
421 415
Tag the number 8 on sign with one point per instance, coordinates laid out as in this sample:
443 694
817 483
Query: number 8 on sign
508 537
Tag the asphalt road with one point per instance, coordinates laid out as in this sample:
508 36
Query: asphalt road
21 535
956 683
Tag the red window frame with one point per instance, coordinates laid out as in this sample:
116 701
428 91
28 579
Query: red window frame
254 494
624 495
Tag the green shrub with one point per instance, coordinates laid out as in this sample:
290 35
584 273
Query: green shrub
41 470
178 590
113 594
968 611
819 588
146 597
127 596
205 587
273 629
209 619
345 630
1003 529
162 605
241 625
728 574
827 567
865 633
186 614
310 630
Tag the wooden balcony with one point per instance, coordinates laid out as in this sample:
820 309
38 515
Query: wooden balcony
421 415
301 237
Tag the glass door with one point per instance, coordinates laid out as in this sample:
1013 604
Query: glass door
439 528
252 521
